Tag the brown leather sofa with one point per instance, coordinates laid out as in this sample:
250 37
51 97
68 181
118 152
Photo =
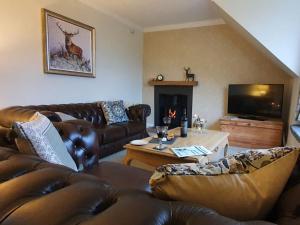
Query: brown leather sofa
111 138
83 142
33 192
127 201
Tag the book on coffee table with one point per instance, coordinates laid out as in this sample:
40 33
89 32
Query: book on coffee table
191 151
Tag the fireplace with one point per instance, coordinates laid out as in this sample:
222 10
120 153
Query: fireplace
172 101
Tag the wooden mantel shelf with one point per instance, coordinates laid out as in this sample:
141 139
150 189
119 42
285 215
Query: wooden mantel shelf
173 83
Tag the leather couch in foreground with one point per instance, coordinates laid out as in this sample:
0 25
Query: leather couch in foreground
111 138
34 192
28 183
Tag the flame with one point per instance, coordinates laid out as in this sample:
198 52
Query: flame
172 114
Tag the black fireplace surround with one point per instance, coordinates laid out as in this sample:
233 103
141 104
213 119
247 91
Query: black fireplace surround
172 101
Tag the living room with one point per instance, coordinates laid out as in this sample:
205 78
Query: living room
140 51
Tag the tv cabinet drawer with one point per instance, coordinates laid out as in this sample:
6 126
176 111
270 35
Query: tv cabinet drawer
253 134
263 124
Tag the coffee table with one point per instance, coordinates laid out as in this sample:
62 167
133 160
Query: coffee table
216 141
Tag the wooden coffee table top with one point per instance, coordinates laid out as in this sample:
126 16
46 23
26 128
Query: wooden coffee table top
210 139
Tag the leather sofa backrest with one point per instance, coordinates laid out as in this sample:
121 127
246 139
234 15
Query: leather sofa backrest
16 113
86 111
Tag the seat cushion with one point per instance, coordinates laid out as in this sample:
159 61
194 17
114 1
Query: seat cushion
244 186
121 176
132 127
110 133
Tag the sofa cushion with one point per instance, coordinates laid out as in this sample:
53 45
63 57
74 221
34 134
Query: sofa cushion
114 111
244 186
110 133
132 127
121 176
45 140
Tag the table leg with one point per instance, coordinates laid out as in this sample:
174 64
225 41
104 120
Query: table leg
127 160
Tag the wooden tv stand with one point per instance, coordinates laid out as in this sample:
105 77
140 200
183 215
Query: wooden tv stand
253 133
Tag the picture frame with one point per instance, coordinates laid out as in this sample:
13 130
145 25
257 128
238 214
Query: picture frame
68 46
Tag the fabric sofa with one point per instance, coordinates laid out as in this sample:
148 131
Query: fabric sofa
111 138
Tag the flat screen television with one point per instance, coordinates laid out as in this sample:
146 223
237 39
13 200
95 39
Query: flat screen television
256 100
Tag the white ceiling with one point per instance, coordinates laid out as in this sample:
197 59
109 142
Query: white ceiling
147 14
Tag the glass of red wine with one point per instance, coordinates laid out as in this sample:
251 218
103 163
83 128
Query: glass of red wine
161 133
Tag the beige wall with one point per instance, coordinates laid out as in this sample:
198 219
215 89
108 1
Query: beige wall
218 56
118 57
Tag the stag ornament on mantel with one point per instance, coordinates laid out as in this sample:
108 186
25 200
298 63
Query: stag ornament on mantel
188 75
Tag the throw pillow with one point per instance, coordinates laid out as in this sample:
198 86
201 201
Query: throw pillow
114 111
65 117
243 186
45 140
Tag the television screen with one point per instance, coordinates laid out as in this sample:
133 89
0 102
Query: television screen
256 99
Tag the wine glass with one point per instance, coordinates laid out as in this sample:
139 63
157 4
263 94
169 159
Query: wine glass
167 121
202 123
161 133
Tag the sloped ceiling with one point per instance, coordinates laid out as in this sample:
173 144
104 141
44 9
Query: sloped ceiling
273 24
145 14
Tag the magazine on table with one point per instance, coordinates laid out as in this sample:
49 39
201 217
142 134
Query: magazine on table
191 151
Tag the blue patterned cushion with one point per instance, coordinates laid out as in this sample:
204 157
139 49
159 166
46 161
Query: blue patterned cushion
114 111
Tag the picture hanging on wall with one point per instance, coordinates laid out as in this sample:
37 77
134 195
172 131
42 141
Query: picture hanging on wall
69 46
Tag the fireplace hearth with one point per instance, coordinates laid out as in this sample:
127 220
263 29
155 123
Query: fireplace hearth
172 101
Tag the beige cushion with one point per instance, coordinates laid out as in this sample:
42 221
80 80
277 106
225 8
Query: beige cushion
247 194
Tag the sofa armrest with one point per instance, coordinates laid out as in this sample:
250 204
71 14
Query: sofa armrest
139 112
81 141
7 137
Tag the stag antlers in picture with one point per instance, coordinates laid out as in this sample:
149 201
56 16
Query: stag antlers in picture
71 48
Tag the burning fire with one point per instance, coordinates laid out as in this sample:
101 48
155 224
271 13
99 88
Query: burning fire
172 114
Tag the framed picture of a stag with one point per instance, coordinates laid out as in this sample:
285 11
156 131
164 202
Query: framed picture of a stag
68 46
